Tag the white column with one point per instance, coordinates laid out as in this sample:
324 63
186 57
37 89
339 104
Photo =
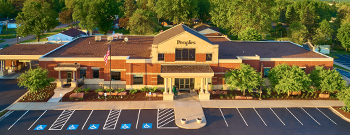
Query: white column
171 86
59 75
206 85
1 65
165 86
202 85
73 76
30 64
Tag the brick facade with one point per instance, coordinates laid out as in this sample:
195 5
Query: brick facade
169 57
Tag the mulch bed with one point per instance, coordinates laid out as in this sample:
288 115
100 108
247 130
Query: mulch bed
93 96
274 96
42 95
346 114
3 112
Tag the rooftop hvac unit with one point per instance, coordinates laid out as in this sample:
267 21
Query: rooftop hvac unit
97 38
109 38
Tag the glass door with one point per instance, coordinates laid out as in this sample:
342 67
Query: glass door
69 77
184 83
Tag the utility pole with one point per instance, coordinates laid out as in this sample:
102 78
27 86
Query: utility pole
261 84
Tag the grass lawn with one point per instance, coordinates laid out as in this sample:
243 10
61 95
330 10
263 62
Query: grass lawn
43 37
124 31
10 33
2 41
339 67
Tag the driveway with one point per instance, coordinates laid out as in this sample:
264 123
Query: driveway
9 92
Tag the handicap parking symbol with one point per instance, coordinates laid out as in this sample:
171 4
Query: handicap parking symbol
147 126
40 127
93 126
73 127
125 126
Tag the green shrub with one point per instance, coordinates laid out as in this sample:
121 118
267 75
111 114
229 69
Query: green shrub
77 90
231 96
71 98
120 90
268 91
221 96
153 89
133 91
99 90
262 96
109 90
162 89
144 89
86 90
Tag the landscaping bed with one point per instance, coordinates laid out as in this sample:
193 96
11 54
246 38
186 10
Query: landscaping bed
232 95
341 111
3 112
93 96
42 95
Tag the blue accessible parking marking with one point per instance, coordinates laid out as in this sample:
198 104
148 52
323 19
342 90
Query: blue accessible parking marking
73 127
125 126
93 126
147 126
40 127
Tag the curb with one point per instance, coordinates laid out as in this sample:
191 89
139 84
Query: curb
339 114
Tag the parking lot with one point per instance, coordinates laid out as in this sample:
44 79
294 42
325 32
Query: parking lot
343 59
161 121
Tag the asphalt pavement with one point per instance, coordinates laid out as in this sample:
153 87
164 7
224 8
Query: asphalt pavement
9 92
265 121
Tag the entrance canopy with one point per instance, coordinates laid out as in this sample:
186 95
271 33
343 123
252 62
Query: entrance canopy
26 51
186 71
67 67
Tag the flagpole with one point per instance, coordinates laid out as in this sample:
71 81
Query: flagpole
110 66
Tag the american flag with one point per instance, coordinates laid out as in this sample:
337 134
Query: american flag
107 54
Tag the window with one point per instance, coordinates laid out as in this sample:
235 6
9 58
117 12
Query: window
185 54
266 71
209 81
303 68
138 79
160 56
96 73
208 57
160 80
82 73
115 75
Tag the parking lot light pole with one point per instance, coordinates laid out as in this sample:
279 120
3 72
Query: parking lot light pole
261 84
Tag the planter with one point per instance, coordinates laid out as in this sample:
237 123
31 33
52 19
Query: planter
122 93
154 94
183 120
324 95
199 120
101 93
295 93
74 95
249 97
115 93
159 95
243 97
238 97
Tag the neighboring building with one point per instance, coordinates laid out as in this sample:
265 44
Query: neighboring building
11 23
116 23
179 56
207 30
66 36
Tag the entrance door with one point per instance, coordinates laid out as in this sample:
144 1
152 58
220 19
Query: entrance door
184 83
69 77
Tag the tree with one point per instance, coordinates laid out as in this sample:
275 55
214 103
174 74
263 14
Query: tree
142 22
177 10
246 13
35 79
65 17
282 16
6 9
344 95
70 3
327 80
308 20
249 34
130 7
124 22
84 15
298 33
285 79
203 10
344 35
35 19
142 4
323 32
291 15
244 78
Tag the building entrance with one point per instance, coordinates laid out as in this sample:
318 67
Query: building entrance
69 77
184 83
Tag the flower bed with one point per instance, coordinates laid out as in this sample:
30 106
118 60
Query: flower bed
42 95
341 111
237 95
93 96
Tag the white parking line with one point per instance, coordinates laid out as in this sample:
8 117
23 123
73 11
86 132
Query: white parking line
223 117
277 116
326 116
87 120
112 120
311 116
138 117
294 116
18 120
242 117
259 116
37 120
61 120
165 118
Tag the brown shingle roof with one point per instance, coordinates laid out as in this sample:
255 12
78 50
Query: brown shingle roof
73 32
29 49
231 49
137 47
186 69
213 34
175 31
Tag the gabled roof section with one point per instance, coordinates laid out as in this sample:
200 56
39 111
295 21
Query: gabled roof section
178 29
73 32
204 27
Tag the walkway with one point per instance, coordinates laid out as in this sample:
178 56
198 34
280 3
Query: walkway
59 92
